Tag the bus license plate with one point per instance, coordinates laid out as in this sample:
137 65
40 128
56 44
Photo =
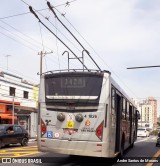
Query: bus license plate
70 124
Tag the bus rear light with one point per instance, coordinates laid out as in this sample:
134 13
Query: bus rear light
43 128
99 144
98 151
99 131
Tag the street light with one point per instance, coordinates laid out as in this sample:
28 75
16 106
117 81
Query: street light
139 67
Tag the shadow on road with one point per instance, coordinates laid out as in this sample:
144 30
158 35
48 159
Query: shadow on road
81 161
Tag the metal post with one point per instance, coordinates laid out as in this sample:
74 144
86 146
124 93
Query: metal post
68 58
13 111
83 57
41 55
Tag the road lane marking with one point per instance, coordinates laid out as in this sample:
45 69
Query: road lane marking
19 152
18 155
141 140
157 154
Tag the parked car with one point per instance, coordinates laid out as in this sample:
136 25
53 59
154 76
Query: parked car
13 134
143 132
158 140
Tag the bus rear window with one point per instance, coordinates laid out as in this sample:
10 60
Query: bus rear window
73 87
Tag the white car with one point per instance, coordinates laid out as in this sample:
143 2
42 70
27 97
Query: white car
142 132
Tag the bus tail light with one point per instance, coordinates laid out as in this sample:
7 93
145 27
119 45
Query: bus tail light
99 131
43 128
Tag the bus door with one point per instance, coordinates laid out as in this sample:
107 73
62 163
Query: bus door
131 123
118 110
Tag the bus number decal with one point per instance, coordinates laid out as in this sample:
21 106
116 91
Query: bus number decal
70 124
92 116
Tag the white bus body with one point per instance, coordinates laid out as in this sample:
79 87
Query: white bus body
85 113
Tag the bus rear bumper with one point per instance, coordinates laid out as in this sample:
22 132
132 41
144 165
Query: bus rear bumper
80 148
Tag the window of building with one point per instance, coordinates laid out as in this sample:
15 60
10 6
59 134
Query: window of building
12 91
113 98
25 94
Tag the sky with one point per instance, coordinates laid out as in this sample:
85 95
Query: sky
117 33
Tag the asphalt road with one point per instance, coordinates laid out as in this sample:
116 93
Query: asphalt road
144 149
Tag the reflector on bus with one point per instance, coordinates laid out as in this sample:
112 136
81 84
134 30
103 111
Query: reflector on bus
99 131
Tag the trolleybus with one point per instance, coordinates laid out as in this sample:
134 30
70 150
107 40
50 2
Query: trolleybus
85 113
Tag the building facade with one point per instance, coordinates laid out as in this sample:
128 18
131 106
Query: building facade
18 102
148 113
153 102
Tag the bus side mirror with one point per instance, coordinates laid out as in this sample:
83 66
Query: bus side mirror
138 115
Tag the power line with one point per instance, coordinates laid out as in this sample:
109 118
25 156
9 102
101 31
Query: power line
56 36
57 29
25 35
21 14
51 8
57 44
18 36
35 41
95 51
18 41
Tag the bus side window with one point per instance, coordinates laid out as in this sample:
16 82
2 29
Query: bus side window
124 109
127 110
113 99
133 114
130 112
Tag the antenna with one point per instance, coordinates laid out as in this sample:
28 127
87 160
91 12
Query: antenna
51 8
31 10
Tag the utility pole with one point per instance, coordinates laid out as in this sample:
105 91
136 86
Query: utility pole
13 111
41 59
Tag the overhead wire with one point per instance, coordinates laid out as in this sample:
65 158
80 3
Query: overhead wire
95 52
51 8
18 37
20 14
57 44
100 58
32 11
27 37
42 43
35 41
17 41
55 26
